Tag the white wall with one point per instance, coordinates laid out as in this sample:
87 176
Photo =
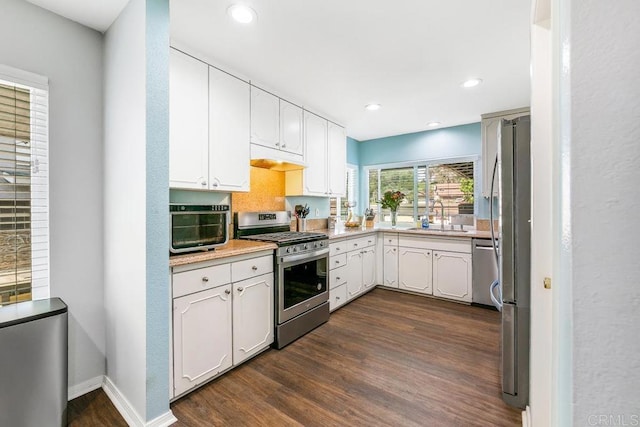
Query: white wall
125 204
70 55
540 382
600 60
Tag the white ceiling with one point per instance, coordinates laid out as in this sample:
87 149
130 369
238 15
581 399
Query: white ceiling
96 14
335 56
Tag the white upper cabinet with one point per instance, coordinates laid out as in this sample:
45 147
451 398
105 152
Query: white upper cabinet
265 118
291 119
489 129
337 160
188 122
229 132
315 137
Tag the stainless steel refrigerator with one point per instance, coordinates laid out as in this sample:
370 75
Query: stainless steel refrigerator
514 206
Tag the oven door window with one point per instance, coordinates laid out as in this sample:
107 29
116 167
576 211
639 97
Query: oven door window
189 230
304 281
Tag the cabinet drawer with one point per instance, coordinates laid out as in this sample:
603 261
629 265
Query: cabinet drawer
251 267
451 245
360 243
337 261
337 297
390 239
337 248
188 282
337 277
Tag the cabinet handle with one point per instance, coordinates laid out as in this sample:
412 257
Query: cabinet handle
205 279
240 289
203 183
394 249
355 245
215 184
283 146
277 144
369 241
337 249
227 291
337 278
254 268
337 298
337 262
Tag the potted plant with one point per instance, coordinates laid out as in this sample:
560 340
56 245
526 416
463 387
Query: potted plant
391 200
466 186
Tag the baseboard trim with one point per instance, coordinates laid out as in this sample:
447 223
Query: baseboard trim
122 404
163 420
526 417
85 387
127 411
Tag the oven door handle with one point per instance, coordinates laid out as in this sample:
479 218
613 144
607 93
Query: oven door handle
309 256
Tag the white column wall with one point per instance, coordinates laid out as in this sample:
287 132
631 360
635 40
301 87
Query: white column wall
125 204
600 42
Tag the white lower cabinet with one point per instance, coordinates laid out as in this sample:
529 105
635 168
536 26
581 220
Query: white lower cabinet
354 274
222 315
252 318
390 266
200 353
452 275
369 268
414 270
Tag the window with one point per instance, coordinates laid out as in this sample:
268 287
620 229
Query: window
339 206
24 224
449 182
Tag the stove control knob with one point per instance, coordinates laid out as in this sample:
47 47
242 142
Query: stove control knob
306 246
288 250
295 249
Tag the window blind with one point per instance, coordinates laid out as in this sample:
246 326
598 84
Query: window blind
24 194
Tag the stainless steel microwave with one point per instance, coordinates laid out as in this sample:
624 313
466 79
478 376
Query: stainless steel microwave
198 227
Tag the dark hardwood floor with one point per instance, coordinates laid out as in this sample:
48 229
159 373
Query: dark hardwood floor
386 359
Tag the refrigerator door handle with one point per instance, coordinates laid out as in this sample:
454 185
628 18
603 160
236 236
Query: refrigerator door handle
509 377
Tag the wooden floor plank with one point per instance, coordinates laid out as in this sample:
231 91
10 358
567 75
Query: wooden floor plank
386 359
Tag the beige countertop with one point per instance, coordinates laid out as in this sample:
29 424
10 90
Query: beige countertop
350 232
232 248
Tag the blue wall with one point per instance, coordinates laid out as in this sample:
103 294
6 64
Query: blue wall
353 153
457 141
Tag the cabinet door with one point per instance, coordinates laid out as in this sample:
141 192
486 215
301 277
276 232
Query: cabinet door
291 128
229 146
315 174
188 122
489 150
337 160
201 337
452 275
369 268
252 316
265 118
390 262
354 274
414 270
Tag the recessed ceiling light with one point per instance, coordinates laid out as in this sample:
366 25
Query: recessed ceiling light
373 107
241 13
472 82
433 124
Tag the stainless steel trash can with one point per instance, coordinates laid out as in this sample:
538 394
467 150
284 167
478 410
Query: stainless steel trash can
33 364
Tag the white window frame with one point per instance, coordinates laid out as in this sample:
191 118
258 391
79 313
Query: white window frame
417 163
40 246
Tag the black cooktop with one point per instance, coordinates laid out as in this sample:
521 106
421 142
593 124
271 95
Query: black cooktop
287 237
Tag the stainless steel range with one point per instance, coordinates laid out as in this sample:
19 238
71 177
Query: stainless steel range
301 267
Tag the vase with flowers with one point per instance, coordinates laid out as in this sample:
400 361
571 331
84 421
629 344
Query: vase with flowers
391 200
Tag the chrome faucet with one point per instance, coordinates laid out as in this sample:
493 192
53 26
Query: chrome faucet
441 212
